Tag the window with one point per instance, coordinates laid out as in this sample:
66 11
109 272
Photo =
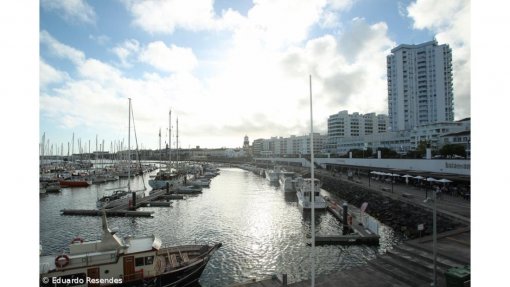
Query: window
139 261
149 260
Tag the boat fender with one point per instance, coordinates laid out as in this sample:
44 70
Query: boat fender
76 240
107 200
62 261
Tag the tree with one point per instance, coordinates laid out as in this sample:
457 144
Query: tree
388 153
359 153
453 149
420 150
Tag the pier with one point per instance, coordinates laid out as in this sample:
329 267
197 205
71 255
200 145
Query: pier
354 230
93 212
124 207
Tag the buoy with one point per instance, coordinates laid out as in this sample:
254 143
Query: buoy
76 240
62 261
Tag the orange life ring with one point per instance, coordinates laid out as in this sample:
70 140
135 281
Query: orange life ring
76 240
63 258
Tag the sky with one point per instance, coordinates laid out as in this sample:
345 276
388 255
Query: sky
226 69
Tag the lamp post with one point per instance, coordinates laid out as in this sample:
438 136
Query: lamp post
434 238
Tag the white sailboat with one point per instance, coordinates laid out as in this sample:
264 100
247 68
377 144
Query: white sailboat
169 177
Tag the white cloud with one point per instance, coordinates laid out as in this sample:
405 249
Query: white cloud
100 39
275 21
169 59
125 50
61 50
165 16
341 4
71 10
49 75
348 72
451 21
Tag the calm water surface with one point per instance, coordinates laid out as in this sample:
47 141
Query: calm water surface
262 229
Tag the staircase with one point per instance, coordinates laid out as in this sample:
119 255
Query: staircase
413 265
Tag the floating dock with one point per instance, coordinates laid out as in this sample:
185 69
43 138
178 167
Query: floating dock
123 207
92 212
354 231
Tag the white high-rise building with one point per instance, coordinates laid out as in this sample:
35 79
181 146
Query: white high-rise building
344 125
420 88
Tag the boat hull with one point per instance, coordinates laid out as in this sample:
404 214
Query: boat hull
319 203
74 183
160 184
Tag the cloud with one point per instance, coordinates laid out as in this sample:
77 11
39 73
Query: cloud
348 71
61 50
168 59
96 98
125 50
156 16
101 39
71 11
265 17
49 75
450 20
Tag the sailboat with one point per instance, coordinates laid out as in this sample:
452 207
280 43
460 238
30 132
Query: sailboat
133 261
120 194
169 177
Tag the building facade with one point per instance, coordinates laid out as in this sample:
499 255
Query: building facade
344 125
292 146
435 135
420 86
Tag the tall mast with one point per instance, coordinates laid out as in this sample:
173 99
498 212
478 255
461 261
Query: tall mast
42 145
72 152
313 186
160 148
129 146
177 143
170 141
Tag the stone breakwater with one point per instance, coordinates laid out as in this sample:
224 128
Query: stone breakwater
400 216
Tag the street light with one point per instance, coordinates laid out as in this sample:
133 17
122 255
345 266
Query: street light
434 238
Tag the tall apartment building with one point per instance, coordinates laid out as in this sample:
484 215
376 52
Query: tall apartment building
344 125
420 88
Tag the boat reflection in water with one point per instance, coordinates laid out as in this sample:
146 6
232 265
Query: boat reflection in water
140 261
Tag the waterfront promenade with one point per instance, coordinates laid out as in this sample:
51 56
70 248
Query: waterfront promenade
408 264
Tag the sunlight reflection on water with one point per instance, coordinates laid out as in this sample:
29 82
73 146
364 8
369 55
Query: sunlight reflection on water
262 229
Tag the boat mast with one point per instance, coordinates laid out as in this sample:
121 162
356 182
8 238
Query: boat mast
159 148
170 141
129 147
312 186
177 143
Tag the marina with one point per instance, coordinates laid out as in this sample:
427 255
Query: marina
259 239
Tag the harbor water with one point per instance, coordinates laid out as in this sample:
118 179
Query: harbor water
262 229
